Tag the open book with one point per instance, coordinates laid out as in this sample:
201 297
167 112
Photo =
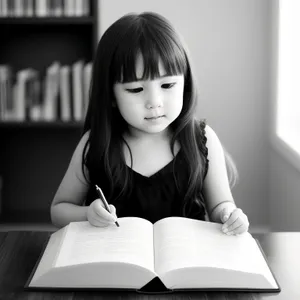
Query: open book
180 253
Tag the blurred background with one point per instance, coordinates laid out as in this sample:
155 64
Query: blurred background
245 56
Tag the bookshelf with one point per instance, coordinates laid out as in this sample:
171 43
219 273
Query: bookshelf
34 155
89 20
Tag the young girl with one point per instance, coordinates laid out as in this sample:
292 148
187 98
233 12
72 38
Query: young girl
141 142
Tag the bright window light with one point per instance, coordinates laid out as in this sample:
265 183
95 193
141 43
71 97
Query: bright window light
288 80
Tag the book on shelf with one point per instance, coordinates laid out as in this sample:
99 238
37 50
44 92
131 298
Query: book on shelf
51 92
5 90
62 94
65 94
24 93
173 254
77 76
87 77
44 8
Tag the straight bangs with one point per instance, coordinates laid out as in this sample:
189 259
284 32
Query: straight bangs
155 45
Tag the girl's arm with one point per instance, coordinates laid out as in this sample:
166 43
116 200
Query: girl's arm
216 188
67 204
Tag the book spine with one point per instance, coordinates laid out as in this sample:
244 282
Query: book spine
4 8
35 107
41 8
87 73
51 92
77 74
69 8
65 102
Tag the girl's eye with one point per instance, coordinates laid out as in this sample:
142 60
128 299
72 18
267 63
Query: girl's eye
134 91
168 85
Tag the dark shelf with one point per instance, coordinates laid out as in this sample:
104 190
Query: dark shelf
40 46
28 124
47 20
41 217
34 156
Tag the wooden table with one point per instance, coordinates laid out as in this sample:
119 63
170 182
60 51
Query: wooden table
19 251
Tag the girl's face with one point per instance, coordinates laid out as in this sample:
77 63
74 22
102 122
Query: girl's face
150 106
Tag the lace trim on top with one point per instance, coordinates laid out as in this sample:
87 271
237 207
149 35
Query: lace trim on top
203 144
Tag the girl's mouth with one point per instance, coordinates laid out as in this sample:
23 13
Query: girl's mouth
154 118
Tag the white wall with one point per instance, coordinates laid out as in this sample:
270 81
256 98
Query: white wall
284 172
284 194
229 46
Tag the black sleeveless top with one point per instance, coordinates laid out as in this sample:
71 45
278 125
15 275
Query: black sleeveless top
160 195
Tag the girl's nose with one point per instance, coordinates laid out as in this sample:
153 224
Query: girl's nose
154 100
151 106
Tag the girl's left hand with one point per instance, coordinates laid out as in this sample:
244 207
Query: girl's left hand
235 222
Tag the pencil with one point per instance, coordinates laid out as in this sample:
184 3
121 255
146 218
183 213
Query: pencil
101 196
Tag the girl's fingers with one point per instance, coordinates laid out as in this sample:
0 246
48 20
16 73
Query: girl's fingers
238 230
237 223
241 229
233 216
101 212
236 214
225 214
229 225
112 210
95 221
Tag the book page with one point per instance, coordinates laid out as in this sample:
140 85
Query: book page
131 243
49 257
183 243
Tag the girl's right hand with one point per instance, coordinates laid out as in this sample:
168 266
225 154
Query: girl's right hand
98 216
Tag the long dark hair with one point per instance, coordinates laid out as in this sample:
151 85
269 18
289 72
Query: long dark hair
152 36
